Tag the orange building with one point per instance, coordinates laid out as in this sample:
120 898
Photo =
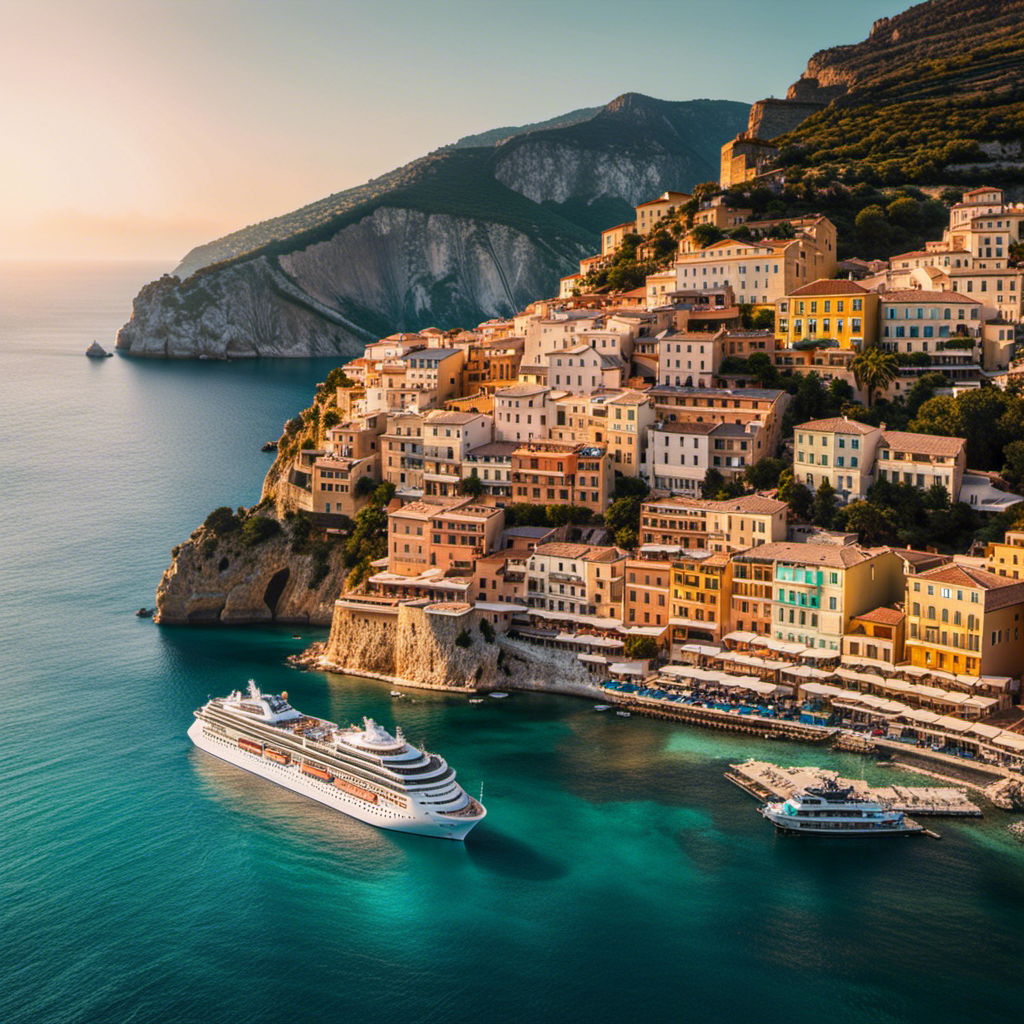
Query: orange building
544 472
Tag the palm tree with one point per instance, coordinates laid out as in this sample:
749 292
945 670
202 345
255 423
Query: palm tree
874 368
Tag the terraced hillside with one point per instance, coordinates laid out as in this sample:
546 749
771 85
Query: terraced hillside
933 94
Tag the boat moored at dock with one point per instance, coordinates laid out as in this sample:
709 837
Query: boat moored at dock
362 771
834 810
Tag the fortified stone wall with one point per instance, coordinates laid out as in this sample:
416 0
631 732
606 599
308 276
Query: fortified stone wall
771 118
416 647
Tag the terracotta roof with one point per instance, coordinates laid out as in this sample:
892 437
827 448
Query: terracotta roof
1000 592
923 444
826 286
520 390
834 556
750 504
566 550
501 449
837 425
920 295
883 616
439 416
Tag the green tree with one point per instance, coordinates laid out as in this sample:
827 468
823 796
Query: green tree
823 512
873 369
871 524
472 485
801 500
629 486
939 415
221 521
623 514
764 475
331 418
713 483
567 515
1013 464
364 485
703 235
764 320
872 231
641 647
761 366
904 213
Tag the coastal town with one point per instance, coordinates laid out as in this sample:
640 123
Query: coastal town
622 477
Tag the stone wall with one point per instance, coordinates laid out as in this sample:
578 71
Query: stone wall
415 646
771 118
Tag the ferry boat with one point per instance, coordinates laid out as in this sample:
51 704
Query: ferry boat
834 810
362 771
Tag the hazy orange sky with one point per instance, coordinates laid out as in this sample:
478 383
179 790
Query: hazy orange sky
139 129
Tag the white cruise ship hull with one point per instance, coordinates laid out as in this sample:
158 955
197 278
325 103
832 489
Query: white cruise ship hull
415 820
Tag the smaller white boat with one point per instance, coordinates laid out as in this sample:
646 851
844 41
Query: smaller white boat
602 707
397 693
498 696
476 700
622 714
834 810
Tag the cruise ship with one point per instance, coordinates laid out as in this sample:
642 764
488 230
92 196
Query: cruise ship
834 810
364 772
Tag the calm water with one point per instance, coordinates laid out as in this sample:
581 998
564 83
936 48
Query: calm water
617 877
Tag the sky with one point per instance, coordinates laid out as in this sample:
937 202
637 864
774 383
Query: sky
136 129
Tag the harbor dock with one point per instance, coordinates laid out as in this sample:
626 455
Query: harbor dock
767 781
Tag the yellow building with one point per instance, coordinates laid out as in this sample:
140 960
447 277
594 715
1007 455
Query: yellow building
648 214
843 311
1006 558
611 238
700 598
878 635
966 621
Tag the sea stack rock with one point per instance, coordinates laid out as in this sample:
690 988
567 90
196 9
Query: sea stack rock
97 351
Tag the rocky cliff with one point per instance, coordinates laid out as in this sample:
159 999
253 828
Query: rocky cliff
464 234
394 270
219 580
415 645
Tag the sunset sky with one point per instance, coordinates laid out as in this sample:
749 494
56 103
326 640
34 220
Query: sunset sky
139 129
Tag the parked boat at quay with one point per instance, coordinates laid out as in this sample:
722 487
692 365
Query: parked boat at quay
833 810
364 772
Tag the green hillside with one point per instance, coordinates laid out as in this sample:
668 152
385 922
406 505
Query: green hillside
935 94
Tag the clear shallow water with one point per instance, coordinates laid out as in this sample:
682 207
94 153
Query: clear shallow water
617 876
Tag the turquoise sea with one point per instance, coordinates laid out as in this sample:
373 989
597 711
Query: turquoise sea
618 876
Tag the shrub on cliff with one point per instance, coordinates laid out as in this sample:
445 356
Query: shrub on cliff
463 639
221 521
487 630
256 529
320 556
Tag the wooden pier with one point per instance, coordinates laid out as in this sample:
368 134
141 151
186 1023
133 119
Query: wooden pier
712 718
766 781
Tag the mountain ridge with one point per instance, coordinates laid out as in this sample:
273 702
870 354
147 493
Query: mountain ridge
458 236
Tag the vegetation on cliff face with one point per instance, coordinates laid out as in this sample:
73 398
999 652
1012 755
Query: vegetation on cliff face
928 97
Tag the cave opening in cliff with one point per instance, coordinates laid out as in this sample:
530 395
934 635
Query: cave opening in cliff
275 588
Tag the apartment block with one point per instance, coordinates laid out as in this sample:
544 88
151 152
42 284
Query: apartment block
733 525
740 406
574 580
701 598
549 473
965 620
447 439
819 588
842 311
442 534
